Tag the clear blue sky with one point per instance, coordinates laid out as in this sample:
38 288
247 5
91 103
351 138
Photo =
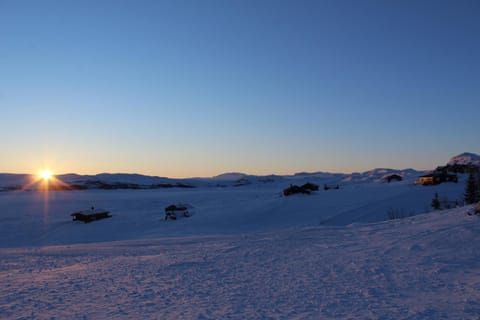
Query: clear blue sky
196 88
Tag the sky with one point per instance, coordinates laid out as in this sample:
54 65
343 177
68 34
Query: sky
198 88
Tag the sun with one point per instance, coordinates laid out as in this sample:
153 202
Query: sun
46 174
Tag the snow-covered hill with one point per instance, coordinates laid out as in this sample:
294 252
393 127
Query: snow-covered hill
14 181
230 176
465 158
27 182
138 181
380 175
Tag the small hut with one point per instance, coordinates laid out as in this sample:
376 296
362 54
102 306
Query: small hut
393 177
173 210
90 215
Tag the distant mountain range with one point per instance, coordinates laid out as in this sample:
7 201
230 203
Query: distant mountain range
10 181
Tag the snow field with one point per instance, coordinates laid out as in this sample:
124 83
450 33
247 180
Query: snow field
37 218
246 253
424 267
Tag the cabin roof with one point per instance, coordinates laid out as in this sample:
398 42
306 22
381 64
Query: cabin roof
92 211
437 174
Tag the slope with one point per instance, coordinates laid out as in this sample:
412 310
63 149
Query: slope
424 267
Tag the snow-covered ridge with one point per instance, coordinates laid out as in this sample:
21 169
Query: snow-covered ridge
73 181
380 175
12 180
465 158
230 176
138 181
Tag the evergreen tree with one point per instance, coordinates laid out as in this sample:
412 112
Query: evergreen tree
478 184
436 202
472 189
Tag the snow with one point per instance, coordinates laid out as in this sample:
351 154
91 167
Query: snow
230 176
379 175
247 252
31 182
14 180
465 158
424 267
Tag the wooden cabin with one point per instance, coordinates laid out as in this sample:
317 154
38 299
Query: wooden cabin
436 178
91 215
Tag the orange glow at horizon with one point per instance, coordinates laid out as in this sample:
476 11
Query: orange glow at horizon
46 174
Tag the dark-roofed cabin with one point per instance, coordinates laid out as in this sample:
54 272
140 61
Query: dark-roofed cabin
436 178
393 177
91 215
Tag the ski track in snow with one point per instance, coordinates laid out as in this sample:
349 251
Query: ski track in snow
424 267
